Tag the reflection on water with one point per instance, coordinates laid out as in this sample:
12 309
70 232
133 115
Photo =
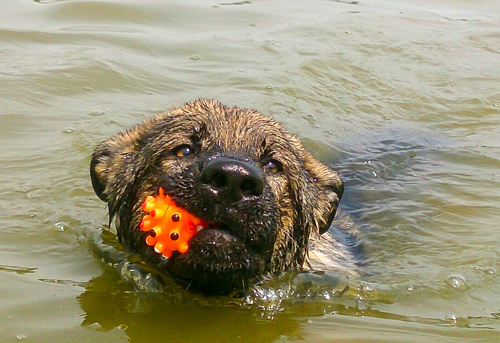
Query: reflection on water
142 298
401 98
143 294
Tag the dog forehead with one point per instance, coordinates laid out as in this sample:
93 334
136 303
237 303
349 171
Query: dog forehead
231 127
242 128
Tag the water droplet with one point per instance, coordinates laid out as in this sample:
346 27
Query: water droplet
195 57
61 226
19 337
456 281
96 326
490 270
366 290
68 130
97 113
410 289
476 268
454 318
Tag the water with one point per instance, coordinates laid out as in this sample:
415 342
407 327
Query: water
401 98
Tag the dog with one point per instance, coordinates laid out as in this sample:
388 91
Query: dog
262 194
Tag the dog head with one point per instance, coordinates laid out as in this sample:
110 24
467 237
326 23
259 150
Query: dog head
260 191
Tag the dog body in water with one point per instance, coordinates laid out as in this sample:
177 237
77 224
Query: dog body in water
263 195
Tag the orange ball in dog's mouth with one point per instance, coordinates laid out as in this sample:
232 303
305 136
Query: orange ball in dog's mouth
170 227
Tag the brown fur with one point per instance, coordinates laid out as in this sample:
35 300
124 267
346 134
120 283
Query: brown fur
260 236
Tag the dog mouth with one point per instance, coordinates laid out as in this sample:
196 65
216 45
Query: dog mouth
217 262
171 228
222 256
216 242
228 246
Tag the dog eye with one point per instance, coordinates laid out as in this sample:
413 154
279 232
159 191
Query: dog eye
182 150
274 166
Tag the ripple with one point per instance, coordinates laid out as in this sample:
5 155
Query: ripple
17 269
97 113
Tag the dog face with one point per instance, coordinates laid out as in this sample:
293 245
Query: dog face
261 192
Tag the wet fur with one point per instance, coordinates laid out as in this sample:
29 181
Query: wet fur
260 237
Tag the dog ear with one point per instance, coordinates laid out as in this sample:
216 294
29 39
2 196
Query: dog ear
113 161
100 169
113 158
329 189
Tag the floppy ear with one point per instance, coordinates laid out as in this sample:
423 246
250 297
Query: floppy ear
329 189
113 159
100 166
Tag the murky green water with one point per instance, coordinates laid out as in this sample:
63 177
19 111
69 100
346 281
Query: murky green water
403 99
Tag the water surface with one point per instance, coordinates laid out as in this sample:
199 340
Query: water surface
401 98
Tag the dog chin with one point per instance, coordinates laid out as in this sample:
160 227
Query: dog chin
217 262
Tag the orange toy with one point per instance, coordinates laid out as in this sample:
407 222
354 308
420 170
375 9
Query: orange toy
170 227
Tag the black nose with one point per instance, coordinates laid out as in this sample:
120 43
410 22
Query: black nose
230 180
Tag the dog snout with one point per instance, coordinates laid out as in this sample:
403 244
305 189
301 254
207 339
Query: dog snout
230 180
